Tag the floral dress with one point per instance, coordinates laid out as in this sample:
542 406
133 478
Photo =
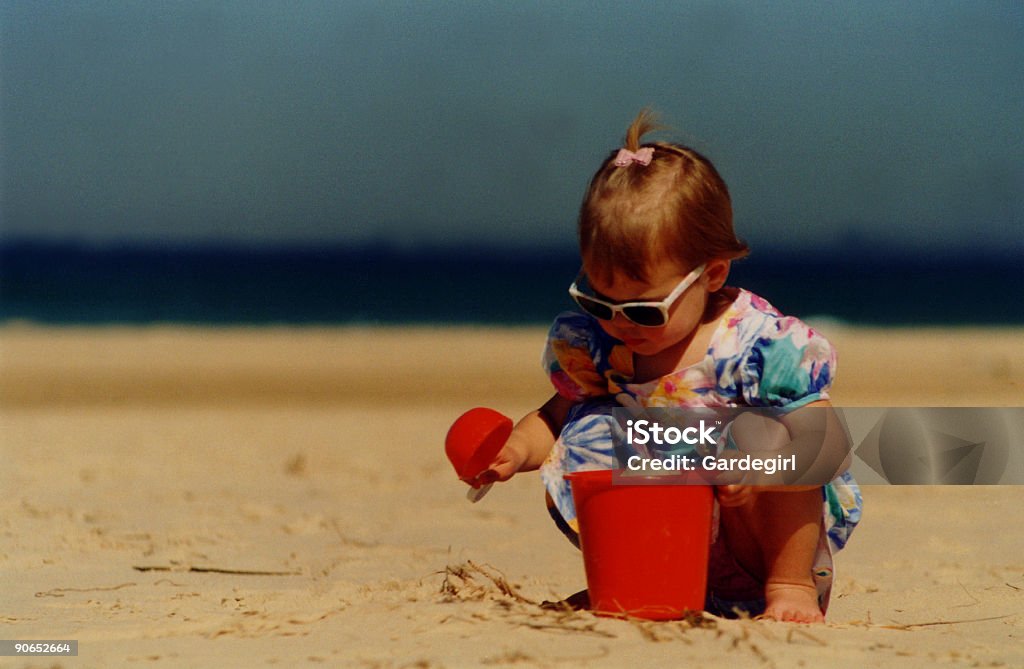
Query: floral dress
756 357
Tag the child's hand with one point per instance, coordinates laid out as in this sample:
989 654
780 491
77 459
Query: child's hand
529 444
509 460
735 495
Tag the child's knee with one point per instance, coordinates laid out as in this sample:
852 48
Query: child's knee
756 433
561 523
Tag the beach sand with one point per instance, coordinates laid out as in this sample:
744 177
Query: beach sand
189 497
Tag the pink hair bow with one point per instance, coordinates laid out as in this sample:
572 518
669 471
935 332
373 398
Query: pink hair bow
642 156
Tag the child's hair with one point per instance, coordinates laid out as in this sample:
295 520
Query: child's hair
675 207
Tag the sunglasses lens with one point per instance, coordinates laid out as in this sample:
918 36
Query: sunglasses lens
646 316
595 309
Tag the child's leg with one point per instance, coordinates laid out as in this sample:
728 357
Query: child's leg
774 536
584 443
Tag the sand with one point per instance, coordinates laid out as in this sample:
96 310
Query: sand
178 497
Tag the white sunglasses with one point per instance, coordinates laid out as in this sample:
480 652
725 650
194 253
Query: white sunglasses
646 314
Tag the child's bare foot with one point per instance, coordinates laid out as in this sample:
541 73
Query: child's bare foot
792 603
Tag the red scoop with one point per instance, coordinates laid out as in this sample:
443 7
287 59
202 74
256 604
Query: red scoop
474 440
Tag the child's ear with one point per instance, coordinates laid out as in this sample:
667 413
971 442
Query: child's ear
715 273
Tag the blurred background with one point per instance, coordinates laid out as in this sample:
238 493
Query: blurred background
385 162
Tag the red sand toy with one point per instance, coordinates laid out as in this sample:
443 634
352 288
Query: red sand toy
473 442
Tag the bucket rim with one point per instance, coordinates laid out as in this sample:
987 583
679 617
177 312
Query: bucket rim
620 477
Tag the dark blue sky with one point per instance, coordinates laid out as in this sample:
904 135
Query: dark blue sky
480 122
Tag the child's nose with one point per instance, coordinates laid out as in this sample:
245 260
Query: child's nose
621 323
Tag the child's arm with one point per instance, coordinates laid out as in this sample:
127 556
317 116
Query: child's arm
813 430
530 442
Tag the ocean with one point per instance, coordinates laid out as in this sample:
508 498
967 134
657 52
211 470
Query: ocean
77 284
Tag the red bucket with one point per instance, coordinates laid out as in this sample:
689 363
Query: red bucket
645 545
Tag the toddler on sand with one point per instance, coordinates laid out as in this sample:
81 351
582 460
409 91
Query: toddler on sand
659 328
